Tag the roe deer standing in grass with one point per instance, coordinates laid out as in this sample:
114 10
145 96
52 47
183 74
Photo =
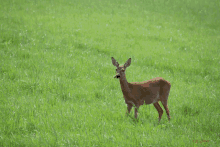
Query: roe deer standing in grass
138 93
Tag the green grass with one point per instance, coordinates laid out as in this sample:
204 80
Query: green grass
56 76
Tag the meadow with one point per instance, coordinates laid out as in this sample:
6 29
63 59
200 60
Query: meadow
56 75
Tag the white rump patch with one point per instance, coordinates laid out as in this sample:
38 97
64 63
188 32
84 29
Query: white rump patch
156 98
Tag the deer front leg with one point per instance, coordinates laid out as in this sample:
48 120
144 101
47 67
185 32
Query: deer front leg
136 113
129 106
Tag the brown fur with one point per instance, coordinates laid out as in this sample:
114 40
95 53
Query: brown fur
147 92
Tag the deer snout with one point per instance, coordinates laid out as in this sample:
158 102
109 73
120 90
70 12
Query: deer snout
117 76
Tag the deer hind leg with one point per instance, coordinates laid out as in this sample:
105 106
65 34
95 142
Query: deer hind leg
159 109
166 108
164 98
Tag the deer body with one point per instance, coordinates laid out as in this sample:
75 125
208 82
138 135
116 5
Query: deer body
147 92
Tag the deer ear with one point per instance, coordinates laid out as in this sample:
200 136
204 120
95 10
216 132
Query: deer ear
114 62
128 63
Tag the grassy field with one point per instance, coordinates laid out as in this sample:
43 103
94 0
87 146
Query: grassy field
56 75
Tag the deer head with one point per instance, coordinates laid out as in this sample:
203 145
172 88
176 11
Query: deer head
120 70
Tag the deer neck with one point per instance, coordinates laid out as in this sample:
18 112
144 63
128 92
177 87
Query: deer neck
124 85
129 98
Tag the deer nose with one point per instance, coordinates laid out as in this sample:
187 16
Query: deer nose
117 76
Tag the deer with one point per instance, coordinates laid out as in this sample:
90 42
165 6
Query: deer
140 93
